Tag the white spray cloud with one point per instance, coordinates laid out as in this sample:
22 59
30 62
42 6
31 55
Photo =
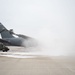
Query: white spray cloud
53 44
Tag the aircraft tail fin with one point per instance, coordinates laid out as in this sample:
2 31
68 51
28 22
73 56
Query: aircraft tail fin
4 32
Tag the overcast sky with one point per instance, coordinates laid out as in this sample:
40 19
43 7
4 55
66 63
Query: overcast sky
51 20
30 16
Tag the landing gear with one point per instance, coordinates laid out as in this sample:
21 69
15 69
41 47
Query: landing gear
5 49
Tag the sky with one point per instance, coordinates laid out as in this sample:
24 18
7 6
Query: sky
52 20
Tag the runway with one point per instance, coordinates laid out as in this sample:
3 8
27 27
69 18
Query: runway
37 65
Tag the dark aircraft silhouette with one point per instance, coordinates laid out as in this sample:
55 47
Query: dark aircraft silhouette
8 38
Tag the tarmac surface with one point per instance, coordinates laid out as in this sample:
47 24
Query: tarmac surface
40 65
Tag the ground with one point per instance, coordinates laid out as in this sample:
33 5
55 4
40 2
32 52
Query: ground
37 66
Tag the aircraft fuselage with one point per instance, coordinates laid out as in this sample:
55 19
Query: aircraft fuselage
15 41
